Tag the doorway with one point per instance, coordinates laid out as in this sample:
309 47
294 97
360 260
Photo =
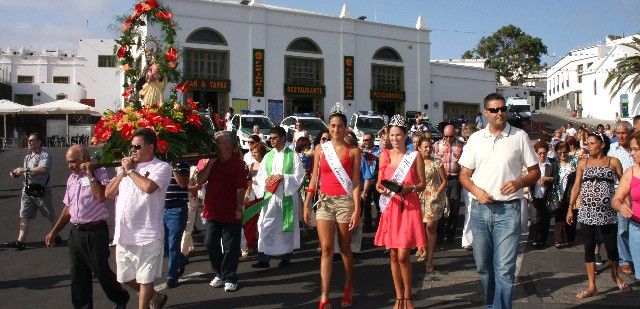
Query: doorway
207 99
302 105
389 108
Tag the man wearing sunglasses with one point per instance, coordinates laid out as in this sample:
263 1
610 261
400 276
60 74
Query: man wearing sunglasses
140 187
491 170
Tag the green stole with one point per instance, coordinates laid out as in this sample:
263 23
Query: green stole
287 201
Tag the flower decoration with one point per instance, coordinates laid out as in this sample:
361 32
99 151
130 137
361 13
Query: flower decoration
180 128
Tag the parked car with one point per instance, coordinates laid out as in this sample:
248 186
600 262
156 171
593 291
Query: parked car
242 126
312 124
367 122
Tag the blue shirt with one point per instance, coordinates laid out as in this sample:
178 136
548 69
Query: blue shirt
365 172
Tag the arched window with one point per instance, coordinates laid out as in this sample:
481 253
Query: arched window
206 36
304 45
388 54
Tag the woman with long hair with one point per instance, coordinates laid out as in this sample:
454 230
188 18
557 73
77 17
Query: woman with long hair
629 188
596 177
400 228
336 167
432 199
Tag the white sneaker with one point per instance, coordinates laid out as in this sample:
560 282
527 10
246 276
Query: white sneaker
230 287
216 282
244 253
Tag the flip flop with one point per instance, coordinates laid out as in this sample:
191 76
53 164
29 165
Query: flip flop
586 294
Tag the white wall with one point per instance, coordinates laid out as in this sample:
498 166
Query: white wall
101 84
459 84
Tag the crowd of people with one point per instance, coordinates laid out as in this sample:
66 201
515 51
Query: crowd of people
409 189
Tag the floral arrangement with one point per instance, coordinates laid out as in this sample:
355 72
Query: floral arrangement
180 128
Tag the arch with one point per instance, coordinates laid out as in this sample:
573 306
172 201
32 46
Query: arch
206 36
304 45
388 54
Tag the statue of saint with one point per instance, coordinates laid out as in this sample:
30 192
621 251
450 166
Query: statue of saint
154 85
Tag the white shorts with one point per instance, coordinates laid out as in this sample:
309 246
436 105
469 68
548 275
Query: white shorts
142 263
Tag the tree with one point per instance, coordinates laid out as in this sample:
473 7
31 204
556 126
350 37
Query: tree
510 51
627 71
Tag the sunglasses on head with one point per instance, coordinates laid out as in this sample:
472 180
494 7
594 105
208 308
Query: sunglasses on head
137 147
495 110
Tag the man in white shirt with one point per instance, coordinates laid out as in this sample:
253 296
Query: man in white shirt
491 170
622 151
571 131
228 126
299 132
139 190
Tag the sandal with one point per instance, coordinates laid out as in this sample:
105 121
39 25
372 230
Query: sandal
624 288
325 304
347 297
586 294
421 258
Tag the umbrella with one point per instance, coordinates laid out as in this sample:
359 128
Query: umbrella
62 107
8 107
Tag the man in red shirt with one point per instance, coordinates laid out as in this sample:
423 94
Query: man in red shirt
223 204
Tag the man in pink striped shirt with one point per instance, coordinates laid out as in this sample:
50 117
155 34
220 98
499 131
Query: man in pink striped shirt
86 209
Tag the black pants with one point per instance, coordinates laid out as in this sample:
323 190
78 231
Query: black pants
224 264
373 196
540 221
562 232
609 234
447 227
89 255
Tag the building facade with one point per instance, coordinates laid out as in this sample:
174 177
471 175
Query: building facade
283 61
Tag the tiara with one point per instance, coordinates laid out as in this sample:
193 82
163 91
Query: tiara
337 109
397 121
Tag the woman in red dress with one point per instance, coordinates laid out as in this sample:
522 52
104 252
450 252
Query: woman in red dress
336 167
400 228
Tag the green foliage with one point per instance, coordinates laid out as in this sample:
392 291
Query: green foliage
627 71
510 51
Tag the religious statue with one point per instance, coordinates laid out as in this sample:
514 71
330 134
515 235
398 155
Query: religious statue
153 87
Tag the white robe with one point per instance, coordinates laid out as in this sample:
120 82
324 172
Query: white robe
272 240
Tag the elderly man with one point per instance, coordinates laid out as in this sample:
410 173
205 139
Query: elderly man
36 170
418 126
226 177
449 149
298 133
86 208
278 230
622 151
139 189
492 162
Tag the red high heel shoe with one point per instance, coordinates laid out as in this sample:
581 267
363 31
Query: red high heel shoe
324 304
347 297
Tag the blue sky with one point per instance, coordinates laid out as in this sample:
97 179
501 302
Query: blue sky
456 25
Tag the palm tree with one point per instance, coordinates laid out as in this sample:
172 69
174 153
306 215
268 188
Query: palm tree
627 71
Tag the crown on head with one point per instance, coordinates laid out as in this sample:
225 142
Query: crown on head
337 109
397 120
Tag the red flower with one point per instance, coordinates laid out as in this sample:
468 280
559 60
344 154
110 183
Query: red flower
127 24
163 146
126 94
171 55
104 135
184 87
171 126
145 123
194 119
172 64
138 9
127 131
122 51
191 104
151 4
164 14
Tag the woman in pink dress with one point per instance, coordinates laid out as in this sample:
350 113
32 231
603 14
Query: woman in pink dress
400 228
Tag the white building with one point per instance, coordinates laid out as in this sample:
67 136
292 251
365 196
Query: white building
305 61
577 80
89 75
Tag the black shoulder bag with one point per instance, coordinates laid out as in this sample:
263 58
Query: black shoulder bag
34 189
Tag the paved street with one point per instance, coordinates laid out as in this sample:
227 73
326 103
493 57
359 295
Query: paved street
39 277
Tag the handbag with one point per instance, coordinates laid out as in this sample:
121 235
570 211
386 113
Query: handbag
392 186
34 189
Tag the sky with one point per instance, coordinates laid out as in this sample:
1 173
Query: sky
456 25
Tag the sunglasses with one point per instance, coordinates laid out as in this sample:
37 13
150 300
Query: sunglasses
137 147
366 140
495 110
449 136
324 138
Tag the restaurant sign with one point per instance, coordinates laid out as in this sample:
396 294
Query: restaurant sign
211 84
258 72
379 95
304 91
348 77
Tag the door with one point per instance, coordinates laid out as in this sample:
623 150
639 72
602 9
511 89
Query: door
388 108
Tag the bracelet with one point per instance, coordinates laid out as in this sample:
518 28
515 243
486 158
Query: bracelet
311 190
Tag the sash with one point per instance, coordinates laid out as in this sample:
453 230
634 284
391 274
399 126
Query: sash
334 163
398 176
287 200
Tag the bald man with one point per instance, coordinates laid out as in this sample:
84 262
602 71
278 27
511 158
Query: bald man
86 208
449 150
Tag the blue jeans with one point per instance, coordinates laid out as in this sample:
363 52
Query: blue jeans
224 264
623 240
634 246
175 221
496 232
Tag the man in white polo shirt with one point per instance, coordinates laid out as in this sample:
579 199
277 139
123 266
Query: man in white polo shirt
139 190
491 170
